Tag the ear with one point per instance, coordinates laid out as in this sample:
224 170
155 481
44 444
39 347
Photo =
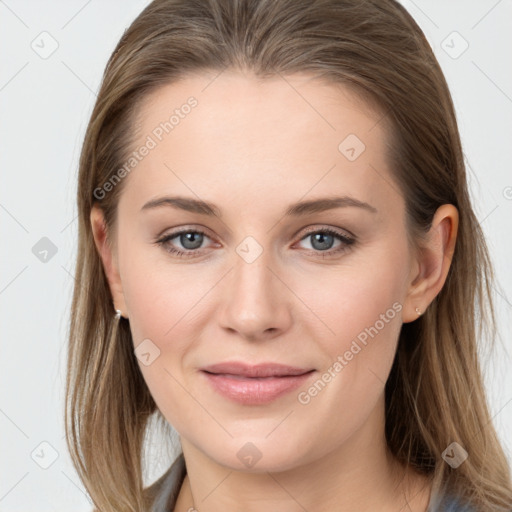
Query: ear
432 262
109 259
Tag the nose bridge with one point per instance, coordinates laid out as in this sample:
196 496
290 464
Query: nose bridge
253 303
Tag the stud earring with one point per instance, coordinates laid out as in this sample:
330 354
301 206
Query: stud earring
418 311
118 314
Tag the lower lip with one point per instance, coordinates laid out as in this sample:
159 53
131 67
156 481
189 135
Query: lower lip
255 391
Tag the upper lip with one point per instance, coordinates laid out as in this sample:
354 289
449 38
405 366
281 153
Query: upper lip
259 370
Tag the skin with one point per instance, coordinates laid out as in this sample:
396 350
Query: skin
252 147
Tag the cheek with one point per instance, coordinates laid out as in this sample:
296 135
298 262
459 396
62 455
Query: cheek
164 308
361 304
163 304
356 297
160 292
364 311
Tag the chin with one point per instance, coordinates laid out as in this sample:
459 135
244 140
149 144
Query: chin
256 456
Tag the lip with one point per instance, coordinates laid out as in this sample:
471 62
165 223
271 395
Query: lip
258 370
255 384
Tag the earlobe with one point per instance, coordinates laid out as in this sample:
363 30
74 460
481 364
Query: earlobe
433 262
108 258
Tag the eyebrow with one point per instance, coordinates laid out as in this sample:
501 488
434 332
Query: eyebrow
296 209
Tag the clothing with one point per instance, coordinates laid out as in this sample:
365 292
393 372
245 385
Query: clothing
167 488
451 504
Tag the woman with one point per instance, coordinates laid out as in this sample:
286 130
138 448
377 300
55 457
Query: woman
279 258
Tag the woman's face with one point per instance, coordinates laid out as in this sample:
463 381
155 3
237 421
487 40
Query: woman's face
274 275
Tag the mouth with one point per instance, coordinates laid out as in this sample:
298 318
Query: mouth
256 384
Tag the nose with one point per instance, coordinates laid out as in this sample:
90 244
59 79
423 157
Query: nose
256 302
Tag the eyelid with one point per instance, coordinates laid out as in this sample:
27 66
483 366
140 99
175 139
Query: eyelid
185 229
339 231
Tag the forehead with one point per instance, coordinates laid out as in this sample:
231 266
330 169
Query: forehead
235 135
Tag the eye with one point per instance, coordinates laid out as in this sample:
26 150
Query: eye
190 240
322 241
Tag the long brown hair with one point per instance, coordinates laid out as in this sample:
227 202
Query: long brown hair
434 394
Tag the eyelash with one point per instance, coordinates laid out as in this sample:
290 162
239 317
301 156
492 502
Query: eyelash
346 242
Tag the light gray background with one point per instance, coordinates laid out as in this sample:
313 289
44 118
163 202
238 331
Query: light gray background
45 102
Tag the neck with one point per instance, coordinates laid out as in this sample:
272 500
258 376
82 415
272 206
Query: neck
360 474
